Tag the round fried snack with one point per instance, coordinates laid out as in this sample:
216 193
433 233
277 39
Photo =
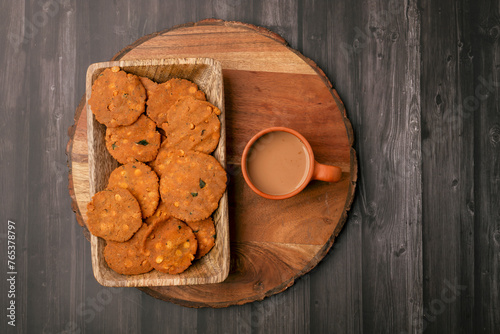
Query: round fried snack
166 94
148 84
204 231
141 181
192 125
117 98
126 258
161 213
192 184
113 214
137 142
170 246
164 157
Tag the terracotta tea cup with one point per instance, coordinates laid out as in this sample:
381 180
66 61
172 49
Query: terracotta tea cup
278 163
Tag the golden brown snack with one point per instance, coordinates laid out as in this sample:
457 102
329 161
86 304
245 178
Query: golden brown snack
137 142
204 231
126 258
148 84
161 213
117 98
164 157
192 125
192 184
170 246
113 214
141 181
166 94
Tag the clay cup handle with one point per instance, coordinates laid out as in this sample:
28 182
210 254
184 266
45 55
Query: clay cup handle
326 173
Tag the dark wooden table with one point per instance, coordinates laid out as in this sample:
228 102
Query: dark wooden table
421 248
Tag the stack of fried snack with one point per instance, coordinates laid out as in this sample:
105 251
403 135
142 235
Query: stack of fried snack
156 216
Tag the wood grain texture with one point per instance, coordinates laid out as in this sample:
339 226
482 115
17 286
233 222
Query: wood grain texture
447 136
291 99
14 165
234 319
485 112
44 79
341 309
101 28
380 75
206 73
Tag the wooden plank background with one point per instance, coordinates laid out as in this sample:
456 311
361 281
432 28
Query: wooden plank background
421 84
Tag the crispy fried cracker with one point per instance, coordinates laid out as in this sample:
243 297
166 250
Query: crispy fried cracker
170 246
192 125
141 181
204 230
113 214
166 94
126 258
137 142
117 98
192 185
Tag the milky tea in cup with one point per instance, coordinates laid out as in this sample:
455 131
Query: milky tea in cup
278 163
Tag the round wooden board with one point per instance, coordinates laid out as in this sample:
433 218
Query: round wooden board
266 83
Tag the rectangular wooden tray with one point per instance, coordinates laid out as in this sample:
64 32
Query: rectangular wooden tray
207 74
